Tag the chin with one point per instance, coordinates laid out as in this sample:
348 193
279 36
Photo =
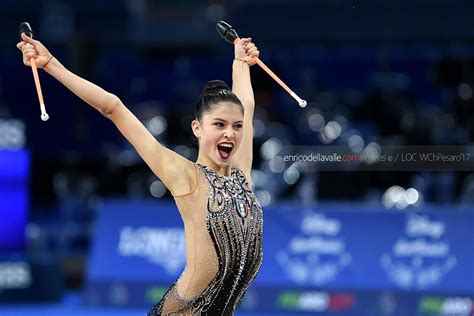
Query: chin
224 163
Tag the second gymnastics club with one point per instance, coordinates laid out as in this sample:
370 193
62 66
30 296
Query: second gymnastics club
230 35
26 28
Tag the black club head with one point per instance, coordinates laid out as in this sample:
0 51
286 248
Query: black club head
26 28
227 32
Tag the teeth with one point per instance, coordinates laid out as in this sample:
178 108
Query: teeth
226 145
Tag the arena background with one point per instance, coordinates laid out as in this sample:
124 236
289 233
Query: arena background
87 229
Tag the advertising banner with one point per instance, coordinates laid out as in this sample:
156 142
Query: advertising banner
332 258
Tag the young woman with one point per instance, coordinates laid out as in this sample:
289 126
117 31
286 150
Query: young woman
221 215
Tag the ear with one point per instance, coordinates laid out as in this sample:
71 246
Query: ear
196 127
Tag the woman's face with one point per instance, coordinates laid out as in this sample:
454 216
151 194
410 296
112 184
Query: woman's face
220 133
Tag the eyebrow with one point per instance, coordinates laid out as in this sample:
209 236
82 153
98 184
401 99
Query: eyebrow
222 120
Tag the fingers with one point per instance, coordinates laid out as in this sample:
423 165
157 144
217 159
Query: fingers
255 54
28 39
25 46
31 55
28 48
249 45
28 51
26 60
251 50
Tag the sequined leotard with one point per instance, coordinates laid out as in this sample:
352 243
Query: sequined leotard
223 226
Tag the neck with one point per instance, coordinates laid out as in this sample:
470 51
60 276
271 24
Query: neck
203 160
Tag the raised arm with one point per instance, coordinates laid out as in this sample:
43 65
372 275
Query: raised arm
242 87
176 172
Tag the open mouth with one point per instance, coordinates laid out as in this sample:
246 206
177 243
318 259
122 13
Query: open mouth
225 149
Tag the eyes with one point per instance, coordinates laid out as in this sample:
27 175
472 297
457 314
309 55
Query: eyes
222 125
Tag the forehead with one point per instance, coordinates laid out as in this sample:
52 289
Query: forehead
225 110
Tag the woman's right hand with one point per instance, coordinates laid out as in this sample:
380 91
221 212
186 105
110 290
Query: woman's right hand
34 49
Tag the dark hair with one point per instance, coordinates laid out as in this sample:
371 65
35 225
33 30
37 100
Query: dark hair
214 91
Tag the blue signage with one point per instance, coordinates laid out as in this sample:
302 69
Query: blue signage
355 247
315 259
138 240
14 200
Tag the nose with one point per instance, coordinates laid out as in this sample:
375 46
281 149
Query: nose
228 133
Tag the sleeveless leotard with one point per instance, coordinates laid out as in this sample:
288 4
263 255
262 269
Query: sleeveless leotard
223 227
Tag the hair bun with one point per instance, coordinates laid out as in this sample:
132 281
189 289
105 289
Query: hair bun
214 93
214 87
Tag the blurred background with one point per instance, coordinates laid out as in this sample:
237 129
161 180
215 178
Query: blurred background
86 228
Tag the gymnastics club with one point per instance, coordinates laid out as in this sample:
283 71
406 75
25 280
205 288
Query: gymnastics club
230 35
26 28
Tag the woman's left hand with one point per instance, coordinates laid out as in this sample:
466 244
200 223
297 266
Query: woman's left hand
246 51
